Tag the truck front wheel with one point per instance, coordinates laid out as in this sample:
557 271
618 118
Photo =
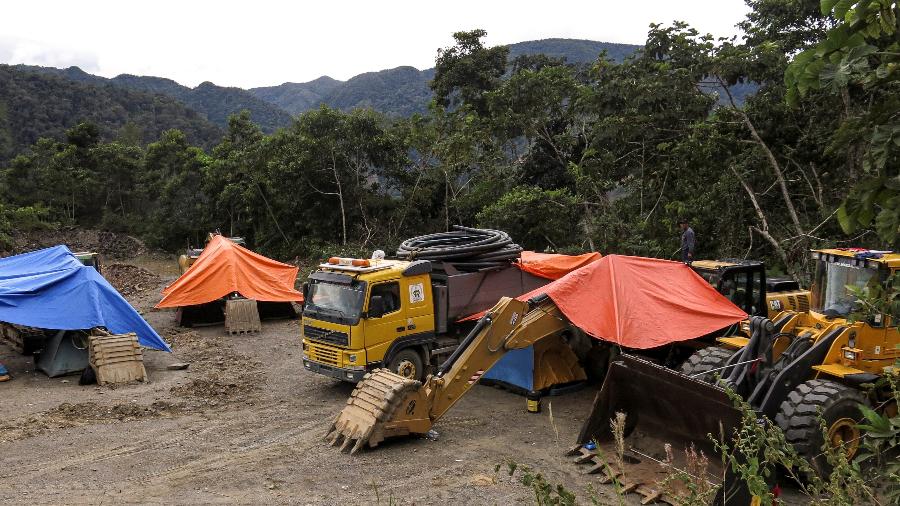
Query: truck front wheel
407 363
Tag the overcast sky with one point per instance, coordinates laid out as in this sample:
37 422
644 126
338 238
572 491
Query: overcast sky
262 42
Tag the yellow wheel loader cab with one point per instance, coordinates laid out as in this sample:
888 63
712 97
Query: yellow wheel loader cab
364 314
746 284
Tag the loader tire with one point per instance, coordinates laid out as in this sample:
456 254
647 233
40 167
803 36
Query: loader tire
707 359
799 416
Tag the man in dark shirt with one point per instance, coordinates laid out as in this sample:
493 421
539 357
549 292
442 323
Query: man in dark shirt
687 242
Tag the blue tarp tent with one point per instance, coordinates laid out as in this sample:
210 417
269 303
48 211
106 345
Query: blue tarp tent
51 289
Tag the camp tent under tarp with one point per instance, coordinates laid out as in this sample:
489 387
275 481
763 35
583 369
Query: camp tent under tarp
225 268
51 289
638 303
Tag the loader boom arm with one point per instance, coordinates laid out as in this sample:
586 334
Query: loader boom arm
386 405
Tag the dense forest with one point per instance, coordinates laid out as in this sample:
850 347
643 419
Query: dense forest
34 105
604 157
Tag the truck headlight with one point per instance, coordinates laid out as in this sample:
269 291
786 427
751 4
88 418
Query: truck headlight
850 355
351 358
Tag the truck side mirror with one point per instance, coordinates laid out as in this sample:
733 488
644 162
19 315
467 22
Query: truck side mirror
376 306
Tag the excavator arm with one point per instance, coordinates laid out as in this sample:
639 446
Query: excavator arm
386 405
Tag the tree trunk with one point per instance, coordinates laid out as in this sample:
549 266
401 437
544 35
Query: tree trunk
340 194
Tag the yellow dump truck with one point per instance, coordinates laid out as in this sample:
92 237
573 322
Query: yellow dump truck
363 314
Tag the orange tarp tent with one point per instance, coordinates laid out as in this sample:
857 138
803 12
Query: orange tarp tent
640 302
553 266
225 267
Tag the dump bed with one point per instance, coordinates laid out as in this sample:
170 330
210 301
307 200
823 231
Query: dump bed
459 294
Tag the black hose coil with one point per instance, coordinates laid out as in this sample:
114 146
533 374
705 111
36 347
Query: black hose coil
466 248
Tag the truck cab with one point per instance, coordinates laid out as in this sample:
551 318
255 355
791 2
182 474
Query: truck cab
353 314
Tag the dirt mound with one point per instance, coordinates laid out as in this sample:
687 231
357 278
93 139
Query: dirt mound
109 244
84 413
130 279
225 376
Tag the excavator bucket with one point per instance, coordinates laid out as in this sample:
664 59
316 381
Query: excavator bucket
382 405
662 405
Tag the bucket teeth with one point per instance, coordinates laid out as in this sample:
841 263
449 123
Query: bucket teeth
347 441
357 446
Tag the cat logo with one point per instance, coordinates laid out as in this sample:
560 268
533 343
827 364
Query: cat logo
775 305
411 407
514 319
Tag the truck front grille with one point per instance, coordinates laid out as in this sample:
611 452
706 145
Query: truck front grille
324 354
326 336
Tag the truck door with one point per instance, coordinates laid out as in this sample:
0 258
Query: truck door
419 310
381 331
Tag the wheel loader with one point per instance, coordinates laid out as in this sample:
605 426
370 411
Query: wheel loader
792 370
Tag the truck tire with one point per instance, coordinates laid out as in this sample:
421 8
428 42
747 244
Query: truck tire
707 359
407 363
799 415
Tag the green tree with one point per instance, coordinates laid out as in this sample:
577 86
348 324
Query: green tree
171 187
859 61
466 71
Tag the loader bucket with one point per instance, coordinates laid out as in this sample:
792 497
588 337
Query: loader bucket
660 403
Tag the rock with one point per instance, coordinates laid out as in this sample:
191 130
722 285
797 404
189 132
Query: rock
178 366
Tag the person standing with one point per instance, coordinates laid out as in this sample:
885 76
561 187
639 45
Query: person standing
688 241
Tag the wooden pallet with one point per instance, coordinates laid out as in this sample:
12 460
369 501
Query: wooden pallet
19 337
241 316
608 473
116 358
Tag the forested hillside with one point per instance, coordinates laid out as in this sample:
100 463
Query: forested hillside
404 90
34 105
215 103
606 157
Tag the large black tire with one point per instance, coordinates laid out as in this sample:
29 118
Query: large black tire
707 359
407 363
798 417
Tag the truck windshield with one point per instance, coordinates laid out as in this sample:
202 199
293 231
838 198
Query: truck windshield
342 299
835 297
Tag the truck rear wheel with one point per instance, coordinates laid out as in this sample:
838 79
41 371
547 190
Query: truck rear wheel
711 358
407 363
799 414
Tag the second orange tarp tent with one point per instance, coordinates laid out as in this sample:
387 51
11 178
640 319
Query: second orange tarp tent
224 268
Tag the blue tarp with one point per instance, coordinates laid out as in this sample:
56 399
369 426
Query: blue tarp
52 289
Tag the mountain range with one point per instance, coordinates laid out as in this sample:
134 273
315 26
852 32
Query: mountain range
403 91
44 101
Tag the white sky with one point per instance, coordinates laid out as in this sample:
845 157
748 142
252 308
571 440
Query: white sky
264 42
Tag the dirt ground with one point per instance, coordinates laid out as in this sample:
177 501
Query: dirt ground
244 423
